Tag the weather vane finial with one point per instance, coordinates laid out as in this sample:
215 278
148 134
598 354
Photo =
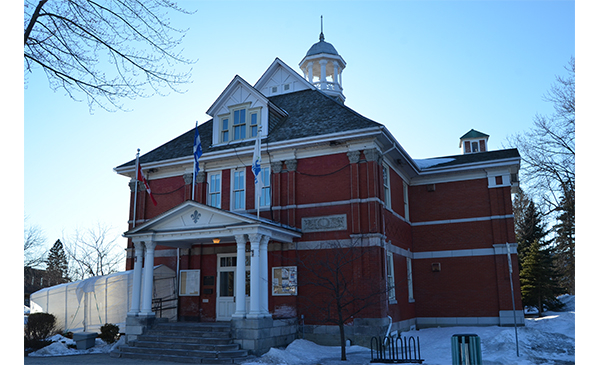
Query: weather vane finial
322 37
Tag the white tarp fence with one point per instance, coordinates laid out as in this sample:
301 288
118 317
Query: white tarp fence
88 304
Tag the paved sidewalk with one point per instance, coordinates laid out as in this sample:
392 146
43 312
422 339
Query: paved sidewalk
90 359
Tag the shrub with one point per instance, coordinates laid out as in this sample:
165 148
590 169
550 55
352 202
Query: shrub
109 332
40 326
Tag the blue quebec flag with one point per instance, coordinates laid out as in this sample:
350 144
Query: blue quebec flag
256 159
197 152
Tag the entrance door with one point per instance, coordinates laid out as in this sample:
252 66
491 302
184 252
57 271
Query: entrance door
226 268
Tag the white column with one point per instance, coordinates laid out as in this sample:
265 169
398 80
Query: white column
254 276
264 277
323 80
146 309
137 279
335 76
310 72
240 278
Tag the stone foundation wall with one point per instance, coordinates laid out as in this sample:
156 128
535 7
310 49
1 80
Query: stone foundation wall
359 332
260 334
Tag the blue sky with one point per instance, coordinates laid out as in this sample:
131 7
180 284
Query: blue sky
428 70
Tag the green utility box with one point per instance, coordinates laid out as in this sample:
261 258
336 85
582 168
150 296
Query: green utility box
466 349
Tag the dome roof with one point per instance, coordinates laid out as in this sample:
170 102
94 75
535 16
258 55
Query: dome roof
321 47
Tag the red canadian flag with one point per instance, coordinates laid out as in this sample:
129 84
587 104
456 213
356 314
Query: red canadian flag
140 177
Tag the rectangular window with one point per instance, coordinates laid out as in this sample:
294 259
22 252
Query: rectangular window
265 175
239 187
390 277
253 124
214 190
225 130
475 146
409 279
386 186
405 192
239 124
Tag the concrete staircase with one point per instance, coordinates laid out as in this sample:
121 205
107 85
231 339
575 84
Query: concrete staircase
196 343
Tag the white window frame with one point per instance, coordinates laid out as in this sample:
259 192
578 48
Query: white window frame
387 199
217 189
245 123
409 280
390 280
265 198
236 189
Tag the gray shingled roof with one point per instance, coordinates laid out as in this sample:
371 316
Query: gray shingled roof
470 158
310 113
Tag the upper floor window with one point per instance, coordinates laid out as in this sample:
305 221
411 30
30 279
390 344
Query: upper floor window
214 189
238 190
386 186
239 124
265 197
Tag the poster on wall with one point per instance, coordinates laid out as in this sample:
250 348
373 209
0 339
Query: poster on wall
189 282
285 280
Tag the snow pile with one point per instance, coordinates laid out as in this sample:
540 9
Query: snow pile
63 346
546 340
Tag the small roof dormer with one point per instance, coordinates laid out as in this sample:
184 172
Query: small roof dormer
323 66
473 141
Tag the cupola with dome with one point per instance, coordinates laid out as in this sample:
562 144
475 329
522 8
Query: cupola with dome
323 66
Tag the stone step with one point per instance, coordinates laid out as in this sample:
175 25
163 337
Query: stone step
195 326
187 346
189 333
183 338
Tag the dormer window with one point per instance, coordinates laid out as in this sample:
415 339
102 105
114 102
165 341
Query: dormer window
474 147
240 123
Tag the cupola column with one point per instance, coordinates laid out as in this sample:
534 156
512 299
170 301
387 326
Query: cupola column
323 80
310 72
335 76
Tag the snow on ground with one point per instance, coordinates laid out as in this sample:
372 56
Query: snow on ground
546 340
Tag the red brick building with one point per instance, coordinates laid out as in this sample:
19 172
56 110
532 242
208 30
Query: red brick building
427 239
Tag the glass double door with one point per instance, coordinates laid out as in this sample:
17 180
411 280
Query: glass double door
226 284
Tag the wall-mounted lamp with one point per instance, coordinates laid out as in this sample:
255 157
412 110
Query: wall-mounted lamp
436 267
216 240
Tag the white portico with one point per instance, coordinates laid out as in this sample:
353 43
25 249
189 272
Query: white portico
192 223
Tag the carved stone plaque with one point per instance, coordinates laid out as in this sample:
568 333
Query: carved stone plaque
325 223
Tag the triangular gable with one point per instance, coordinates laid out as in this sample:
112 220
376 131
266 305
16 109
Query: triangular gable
277 76
237 92
191 215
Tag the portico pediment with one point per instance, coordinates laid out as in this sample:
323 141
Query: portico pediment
193 223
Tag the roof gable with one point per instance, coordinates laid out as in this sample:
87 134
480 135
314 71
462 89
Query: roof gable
191 215
277 77
237 92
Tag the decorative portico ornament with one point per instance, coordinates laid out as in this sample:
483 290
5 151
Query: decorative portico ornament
195 216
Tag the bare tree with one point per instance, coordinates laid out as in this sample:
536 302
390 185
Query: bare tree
93 252
105 50
548 149
329 276
34 250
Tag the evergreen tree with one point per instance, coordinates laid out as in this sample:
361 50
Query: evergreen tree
539 287
57 264
529 225
565 239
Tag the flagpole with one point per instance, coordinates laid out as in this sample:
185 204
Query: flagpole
135 174
259 185
195 162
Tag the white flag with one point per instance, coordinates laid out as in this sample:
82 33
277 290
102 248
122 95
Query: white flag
256 160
